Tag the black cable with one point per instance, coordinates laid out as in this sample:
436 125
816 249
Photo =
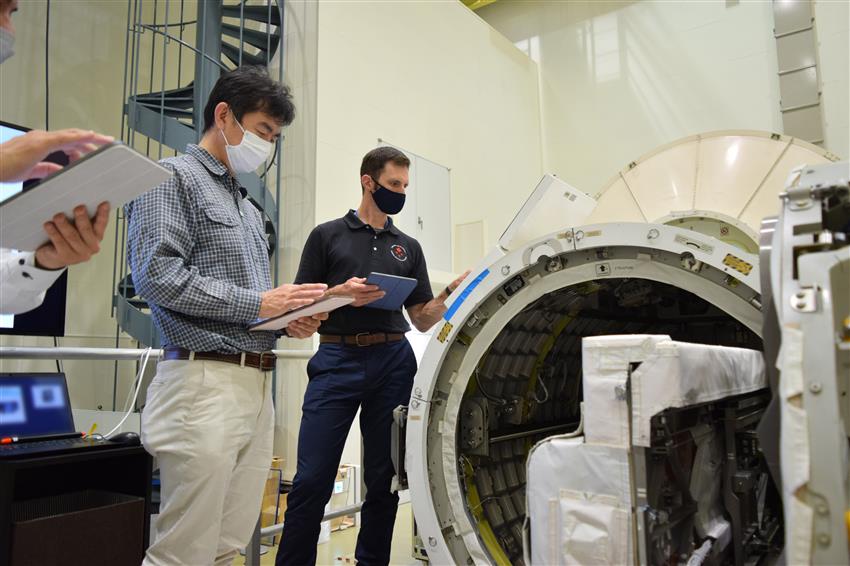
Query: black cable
499 401
47 113
136 381
46 70
56 344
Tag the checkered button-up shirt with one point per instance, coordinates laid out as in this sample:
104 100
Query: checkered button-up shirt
199 255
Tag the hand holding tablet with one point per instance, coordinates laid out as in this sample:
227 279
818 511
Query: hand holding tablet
113 173
72 242
397 290
325 304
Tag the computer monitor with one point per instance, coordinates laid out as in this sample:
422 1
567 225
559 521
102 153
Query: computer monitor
34 404
49 318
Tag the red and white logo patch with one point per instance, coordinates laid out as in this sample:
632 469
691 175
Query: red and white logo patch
398 252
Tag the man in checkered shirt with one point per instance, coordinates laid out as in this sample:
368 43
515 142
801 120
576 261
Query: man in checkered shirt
199 255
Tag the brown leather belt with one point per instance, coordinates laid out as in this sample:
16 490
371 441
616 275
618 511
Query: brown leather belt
363 339
264 361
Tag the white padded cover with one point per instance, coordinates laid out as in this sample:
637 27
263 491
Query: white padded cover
679 374
578 491
578 503
605 369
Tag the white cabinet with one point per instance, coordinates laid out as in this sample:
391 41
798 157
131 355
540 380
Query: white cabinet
427 211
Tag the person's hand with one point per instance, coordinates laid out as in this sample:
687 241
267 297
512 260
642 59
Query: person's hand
287 297
456 283
21 157
72 243
356 287
307 326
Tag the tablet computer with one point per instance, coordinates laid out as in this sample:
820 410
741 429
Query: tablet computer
397 290
113 173
325 304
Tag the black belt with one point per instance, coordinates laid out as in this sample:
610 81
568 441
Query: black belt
363 339
264 361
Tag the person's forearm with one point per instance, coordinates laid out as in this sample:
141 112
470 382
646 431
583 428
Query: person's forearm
430 313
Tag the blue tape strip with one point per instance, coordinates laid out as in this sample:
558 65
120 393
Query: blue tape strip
464 294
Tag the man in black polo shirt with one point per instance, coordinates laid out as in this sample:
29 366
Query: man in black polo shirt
364 360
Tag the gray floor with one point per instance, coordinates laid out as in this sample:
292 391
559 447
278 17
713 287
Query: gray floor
340 549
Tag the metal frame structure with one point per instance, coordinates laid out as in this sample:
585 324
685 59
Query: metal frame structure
807 338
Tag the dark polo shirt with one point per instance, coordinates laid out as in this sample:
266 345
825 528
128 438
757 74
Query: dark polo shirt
344 248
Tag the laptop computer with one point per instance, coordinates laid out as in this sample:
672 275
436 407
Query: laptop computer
36 417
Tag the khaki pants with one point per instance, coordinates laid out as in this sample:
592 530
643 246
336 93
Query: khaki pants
211 427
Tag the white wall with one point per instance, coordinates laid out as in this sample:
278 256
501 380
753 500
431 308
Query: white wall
832 21
432 78
621 78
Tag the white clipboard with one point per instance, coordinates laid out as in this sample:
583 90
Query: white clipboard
113 173
325 304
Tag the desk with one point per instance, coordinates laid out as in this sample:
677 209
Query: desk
120 469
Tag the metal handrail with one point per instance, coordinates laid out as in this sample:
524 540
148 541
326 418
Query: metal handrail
184 44
252 551
273 530
71 353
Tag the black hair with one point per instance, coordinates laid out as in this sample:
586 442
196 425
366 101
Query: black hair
374 161
250 89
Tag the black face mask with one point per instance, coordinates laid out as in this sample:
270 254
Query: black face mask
388 201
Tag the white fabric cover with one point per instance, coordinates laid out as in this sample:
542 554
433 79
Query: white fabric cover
578 489
705 487
605 367
679 374
579 503
794 449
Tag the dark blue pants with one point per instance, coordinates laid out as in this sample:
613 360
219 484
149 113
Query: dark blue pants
375 379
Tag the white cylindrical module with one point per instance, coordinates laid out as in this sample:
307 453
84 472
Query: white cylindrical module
504 370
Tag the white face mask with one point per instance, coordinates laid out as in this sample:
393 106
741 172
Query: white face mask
7 44
249 154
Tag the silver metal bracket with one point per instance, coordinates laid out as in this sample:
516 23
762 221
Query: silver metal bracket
805 300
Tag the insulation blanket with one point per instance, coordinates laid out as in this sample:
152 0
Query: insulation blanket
605 367
679 374
579 517
578 491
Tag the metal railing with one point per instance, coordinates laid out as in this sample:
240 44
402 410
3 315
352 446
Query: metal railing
111 354
254 548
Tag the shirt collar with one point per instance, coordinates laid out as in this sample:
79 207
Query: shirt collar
206 159
353 221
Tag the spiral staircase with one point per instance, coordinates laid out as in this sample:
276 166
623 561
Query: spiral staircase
222 36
